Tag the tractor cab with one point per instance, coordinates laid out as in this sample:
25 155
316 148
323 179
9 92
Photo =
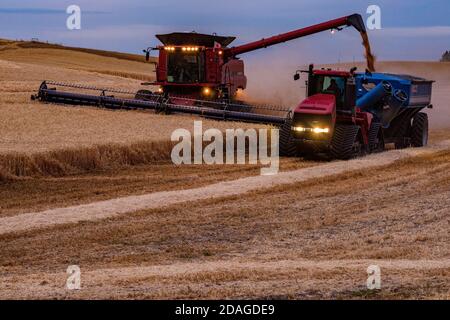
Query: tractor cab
327 84
339 84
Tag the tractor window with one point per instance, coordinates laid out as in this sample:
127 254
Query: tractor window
330 85
185 67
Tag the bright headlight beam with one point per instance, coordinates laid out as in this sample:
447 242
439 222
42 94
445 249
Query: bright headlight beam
321 130
299 129
314 130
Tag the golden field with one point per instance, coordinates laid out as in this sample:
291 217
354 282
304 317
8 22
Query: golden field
28 126
38 138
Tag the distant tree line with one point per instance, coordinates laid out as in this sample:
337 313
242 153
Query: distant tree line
446 56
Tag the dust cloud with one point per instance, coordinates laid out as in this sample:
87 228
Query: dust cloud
270 76
272 83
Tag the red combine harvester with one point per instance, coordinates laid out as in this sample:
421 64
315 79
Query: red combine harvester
196 73
201 66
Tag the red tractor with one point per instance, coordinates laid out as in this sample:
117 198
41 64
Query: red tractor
348 114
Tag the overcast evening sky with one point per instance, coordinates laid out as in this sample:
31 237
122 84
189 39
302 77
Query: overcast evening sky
411 30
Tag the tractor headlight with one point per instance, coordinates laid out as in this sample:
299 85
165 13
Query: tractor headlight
314 130
299 129
321 130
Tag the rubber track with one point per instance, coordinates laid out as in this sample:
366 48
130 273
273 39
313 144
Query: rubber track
342 142
288 147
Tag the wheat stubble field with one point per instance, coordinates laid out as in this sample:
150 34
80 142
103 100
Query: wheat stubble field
287 237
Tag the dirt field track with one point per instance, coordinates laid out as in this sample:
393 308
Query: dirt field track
112 208
141 228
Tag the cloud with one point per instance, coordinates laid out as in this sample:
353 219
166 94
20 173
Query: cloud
431 31
131 24
129 38
136 31
30 11
39 11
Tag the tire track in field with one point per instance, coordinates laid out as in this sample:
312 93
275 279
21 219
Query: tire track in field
112 208
119 282
179 269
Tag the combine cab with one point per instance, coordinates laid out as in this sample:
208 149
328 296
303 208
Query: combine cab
193 65
346 115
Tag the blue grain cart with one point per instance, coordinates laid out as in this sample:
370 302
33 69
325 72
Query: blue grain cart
396 101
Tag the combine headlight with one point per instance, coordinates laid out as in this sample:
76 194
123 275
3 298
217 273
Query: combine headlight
206 91
190 49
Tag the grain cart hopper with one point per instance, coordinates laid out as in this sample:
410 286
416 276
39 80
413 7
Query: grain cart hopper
401 115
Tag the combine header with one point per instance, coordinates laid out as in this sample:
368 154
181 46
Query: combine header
345 115
149 101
